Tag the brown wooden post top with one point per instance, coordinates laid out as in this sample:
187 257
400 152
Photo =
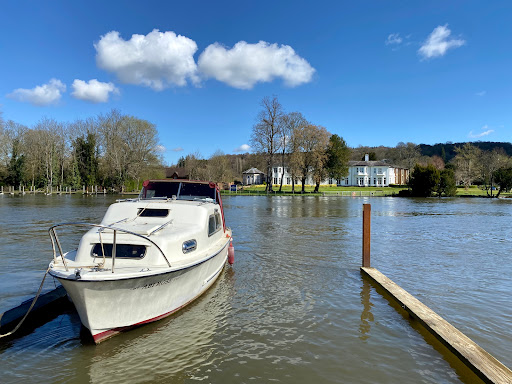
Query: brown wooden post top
367 210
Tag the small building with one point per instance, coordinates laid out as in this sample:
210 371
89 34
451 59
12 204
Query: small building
253 176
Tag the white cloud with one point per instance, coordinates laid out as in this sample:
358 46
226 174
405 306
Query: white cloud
177 149
481 93
245 64
41 95
94 91
439 42
394 39
486 132
157 60
160 149
243 148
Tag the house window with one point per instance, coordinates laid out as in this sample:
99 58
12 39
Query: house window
330 181
275 170
279 169
384 180
357 169
286 170
374 170
374 181
288 180
380 171
275 180
346 181
379 180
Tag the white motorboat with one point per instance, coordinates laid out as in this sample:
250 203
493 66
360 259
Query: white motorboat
149 256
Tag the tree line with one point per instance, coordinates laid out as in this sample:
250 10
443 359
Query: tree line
288 139
110 150
489 169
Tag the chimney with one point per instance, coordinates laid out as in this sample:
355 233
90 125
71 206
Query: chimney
366 157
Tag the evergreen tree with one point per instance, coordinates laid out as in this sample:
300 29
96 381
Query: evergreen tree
424 181
15 169
338 155
86 159
447 185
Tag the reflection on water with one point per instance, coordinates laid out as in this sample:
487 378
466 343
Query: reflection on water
154 352
366 315
294 307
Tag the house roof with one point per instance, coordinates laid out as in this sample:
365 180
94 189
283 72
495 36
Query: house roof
253 171
363 163
178 172
368 164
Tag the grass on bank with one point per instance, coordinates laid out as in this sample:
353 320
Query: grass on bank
474 190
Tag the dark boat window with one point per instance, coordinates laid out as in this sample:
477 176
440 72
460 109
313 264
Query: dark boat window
190 191
214 224
218 221
164 189
122 250
152 212
212 228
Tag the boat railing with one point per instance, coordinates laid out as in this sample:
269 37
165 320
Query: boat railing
55 240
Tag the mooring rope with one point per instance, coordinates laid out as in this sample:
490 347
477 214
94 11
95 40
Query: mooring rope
31 306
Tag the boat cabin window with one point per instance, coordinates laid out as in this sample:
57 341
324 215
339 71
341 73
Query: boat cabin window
165 190
152 212
122 250
181 190
214 223
191 191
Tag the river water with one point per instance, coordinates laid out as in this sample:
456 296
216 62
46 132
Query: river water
294 308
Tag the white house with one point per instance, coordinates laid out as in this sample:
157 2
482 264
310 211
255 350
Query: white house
360 173
253 176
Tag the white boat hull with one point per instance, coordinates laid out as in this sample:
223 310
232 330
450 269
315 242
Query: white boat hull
107 307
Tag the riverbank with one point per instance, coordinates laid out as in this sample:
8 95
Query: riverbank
326 190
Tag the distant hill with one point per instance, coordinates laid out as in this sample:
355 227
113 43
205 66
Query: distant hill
449 148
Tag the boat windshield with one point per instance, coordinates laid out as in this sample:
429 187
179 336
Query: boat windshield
182 191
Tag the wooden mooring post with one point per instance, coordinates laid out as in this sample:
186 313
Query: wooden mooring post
367 211
482 363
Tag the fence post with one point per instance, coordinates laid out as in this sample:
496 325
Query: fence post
367 210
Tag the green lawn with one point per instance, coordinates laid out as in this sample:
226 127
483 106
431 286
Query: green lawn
324 189
351 191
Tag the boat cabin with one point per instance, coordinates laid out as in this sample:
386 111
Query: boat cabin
172 221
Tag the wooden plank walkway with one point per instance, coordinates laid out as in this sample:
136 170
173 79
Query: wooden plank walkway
476 358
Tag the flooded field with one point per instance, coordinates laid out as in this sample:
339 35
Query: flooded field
294 307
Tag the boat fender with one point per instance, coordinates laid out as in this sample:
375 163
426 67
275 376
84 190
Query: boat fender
231 252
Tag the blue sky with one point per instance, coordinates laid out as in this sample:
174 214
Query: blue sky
373 72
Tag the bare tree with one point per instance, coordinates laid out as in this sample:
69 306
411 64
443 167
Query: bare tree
466 164
491 161
195 166
311 156
50 131
267 134
290 123
219 168
406 155
128 146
